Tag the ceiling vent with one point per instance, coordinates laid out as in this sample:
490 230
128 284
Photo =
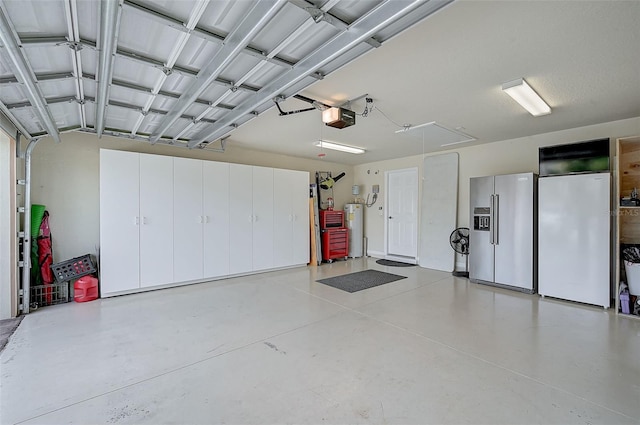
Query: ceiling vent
436 134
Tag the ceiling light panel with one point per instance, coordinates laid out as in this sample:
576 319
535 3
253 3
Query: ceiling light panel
527 97
323 144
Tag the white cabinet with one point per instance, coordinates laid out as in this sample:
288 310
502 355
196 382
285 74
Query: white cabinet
240 218
156 220
291 217
188 220
166 221
216 218
119 221
262 224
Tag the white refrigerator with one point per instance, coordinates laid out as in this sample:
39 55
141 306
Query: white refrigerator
574 244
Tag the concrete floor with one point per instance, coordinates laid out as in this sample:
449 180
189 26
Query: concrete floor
280 348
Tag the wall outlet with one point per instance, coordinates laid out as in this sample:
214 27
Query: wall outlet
375 188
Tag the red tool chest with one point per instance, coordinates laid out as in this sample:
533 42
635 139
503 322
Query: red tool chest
330 219
335 243
335 237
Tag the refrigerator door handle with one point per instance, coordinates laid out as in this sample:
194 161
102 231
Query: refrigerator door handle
492 222
496 213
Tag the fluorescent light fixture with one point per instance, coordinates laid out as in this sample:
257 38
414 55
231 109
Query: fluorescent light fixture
338 147
522 93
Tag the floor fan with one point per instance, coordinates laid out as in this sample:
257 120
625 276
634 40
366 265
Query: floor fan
459 241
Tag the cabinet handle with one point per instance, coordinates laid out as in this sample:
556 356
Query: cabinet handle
207 219
137 221
200 219
250 218
144 220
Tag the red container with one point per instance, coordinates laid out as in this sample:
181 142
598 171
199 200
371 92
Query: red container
85 289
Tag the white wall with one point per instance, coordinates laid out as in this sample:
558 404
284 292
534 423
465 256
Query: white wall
8 247
505 157
65 178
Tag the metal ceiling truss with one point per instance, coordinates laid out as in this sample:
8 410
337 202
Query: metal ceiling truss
25 74
255 20
110 13
71 15
279 70
199 32
359 31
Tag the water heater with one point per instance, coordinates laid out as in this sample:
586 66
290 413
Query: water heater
354 221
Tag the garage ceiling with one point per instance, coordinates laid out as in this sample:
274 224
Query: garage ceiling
191 73
178 72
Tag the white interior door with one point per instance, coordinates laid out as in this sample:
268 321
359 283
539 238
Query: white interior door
262 218
240 218
119 221
188 219
216 218
156 227
402 213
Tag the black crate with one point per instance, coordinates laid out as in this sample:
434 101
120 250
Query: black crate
43 295
73 269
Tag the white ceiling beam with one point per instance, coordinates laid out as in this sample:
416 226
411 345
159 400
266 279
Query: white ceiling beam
256 19
23 71
382 15
110 13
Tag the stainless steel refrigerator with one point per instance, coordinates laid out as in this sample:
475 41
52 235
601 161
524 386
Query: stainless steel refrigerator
502 237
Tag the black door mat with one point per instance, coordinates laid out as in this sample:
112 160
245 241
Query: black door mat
392 263
354 282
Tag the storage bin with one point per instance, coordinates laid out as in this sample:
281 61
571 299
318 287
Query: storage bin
633 277
624 302
85 289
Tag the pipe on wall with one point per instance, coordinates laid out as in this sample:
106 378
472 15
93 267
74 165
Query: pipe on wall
26 245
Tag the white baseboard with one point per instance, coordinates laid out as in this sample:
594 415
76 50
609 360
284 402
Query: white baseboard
376 254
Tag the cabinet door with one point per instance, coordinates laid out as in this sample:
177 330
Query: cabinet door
119 221
216 218
156 211
300 210
282 218
188 219
262 218
240 219
514 237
